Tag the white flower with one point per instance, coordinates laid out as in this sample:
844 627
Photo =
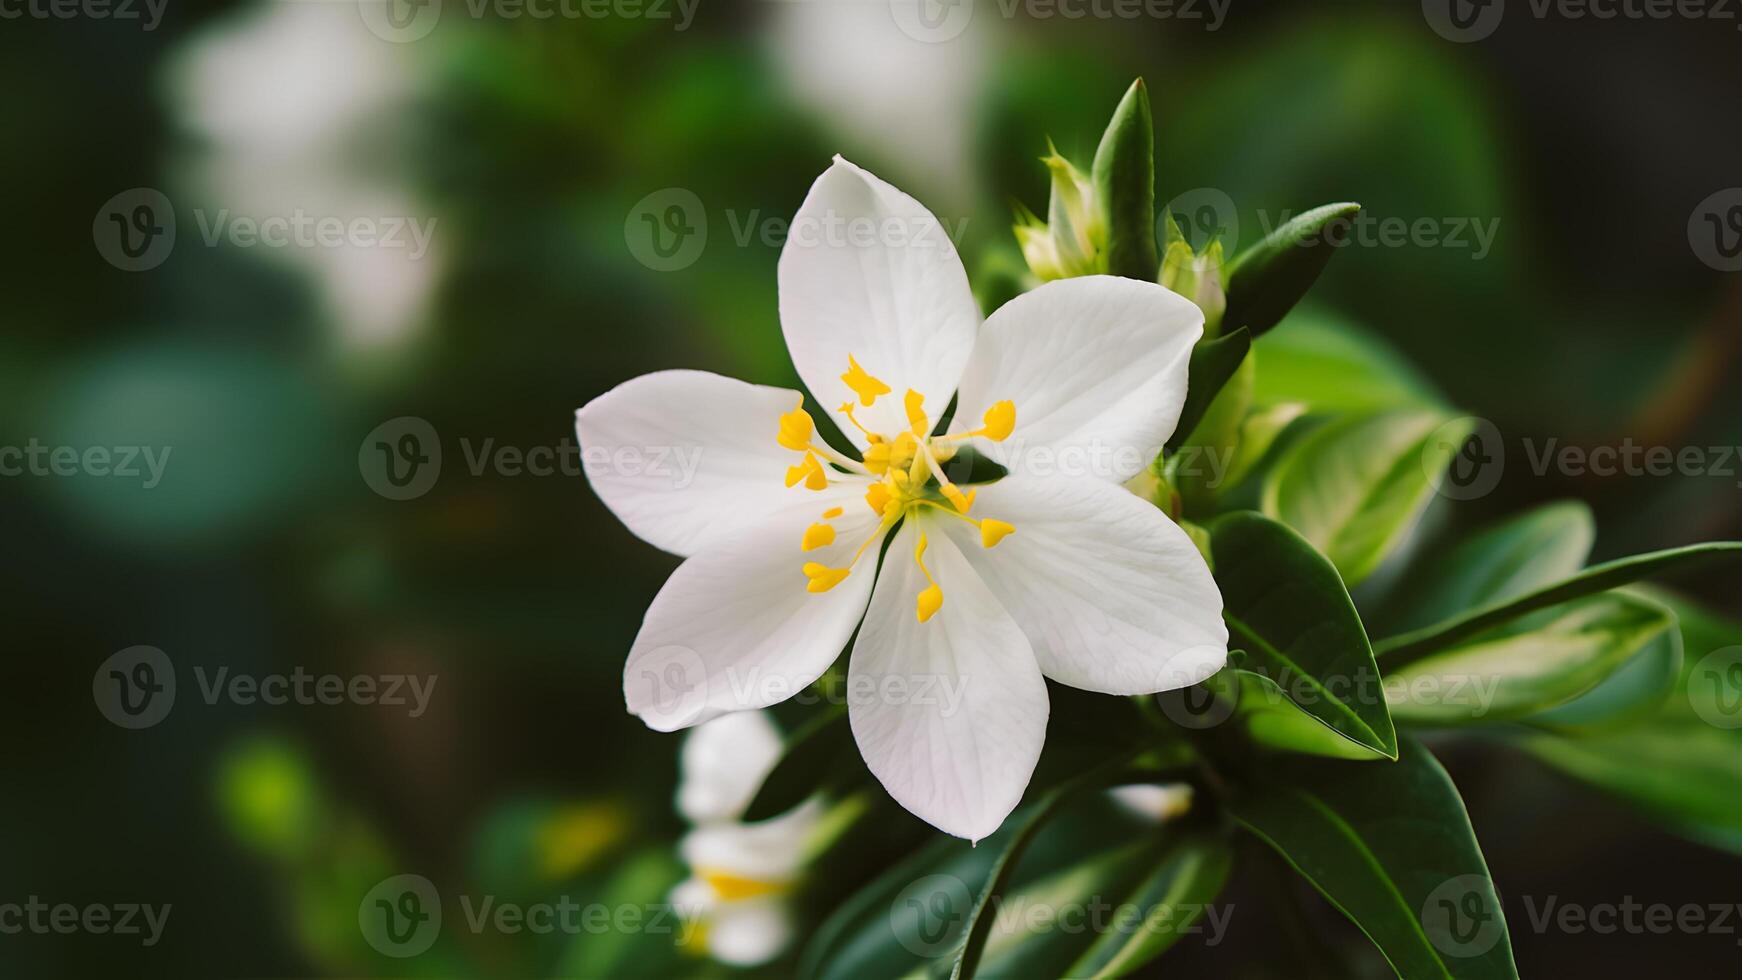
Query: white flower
742 875
1053 571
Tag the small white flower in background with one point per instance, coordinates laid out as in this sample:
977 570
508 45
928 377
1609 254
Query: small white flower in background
287 104
1160 803
742 875
984 590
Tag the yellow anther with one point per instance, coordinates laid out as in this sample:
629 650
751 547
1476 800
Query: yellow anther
832 513
900 479
796 428
878 497
994 531
863 385
915 404
817 536
932 598
822 577
955 496
1000 420
810 471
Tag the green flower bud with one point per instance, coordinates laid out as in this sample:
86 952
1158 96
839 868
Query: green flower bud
1072 241
1198 276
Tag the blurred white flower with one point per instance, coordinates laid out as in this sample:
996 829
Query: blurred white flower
911 101
742 875
297 109
1159 803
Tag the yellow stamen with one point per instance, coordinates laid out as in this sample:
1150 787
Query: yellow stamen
810 471
796 428
832 513
932 598
915 405
822 577
993 531
955 496
847 410
732 888
877 458
817 536
863 384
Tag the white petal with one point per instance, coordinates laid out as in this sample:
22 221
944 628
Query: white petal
950 714
1096 366
735 629
684 458
723 765
770 851
750 932
868 271
1112 595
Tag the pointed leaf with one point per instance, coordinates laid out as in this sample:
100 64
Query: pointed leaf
1213 362
1390 845
1267 280
1124 178
1186 878
1288 610
1534 664
805 760
1399 650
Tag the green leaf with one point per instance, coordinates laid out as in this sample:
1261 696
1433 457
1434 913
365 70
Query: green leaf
805 760
1124 179
1288 610
1267 280
1186 878
1258 433
1631 693
1355 486
1503 561
1390 845
984 915
1399 650
1534 664
1213 362
1682 764
1330 366
1272 720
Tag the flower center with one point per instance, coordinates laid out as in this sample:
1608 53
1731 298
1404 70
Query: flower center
907 473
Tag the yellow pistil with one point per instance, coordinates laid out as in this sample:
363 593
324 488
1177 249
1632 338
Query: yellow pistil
810 471
817 536
932 598
863 384
796 429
